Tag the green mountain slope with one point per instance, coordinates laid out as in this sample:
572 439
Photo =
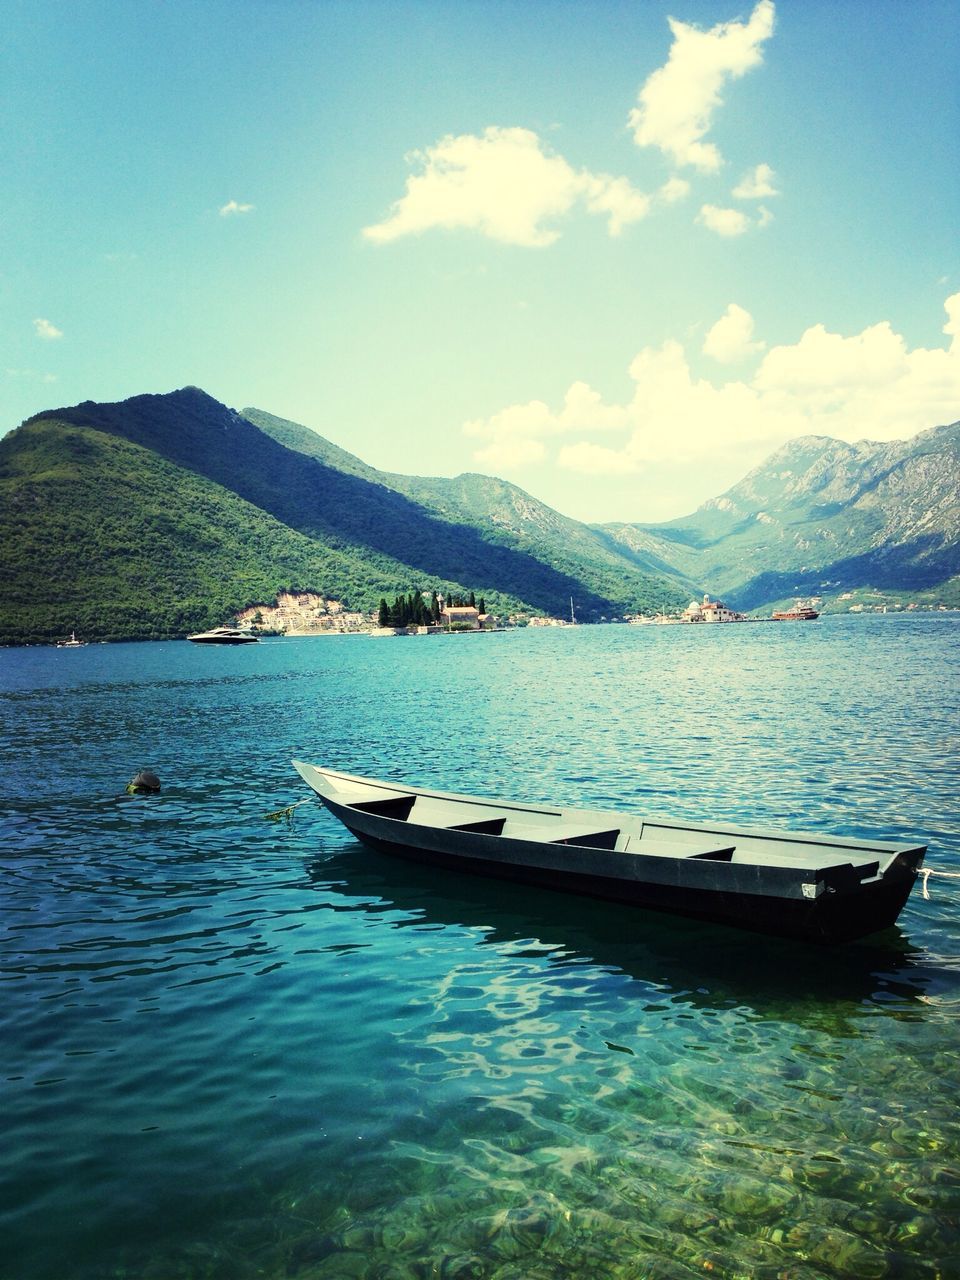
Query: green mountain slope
510 518
162 514
103 537
821 516
301 439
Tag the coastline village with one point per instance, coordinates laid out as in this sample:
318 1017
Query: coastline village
307 614
310 614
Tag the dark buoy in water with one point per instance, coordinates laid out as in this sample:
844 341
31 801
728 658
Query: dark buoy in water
145 783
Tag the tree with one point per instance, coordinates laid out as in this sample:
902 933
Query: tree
383 617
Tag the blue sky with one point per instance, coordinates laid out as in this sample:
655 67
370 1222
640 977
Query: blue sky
614 252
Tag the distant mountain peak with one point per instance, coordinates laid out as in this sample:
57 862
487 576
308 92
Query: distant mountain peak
821 514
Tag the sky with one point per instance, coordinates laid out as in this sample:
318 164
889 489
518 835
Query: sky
616 253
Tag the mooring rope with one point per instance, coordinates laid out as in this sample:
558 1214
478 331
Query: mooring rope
927 872
287 813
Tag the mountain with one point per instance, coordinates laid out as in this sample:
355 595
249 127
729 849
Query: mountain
506 514
821 517
167 513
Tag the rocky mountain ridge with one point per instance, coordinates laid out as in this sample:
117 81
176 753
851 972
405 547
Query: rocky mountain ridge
822 516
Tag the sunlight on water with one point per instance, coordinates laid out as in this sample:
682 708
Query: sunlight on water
240 1047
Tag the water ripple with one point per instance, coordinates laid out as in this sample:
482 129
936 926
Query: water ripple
234 1047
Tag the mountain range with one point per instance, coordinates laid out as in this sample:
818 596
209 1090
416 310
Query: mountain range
164 514
821 517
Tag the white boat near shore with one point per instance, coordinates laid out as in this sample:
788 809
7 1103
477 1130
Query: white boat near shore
224 635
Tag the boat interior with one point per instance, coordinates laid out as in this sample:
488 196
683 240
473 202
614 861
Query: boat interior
597 831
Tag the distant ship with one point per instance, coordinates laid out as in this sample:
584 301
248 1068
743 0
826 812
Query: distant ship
224 635
72 643
799 613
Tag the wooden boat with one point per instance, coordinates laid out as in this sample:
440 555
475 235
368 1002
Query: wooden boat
224 635
814 887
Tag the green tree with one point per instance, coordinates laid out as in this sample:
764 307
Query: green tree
383 617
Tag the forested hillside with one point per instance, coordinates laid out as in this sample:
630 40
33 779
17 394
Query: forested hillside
162 514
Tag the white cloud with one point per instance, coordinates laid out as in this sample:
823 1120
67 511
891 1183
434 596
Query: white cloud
32 375
530 420
867 385
616 197
504 454
732 222
675 416
677 102
674 189
952 308
591 459
828 367
49 332
505 184
232 208
731 338
583 411
725 222
756 184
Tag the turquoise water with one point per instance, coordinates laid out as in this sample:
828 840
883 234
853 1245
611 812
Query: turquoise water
233 1047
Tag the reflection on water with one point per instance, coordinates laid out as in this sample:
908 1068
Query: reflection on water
236 1048
740 1117
708 966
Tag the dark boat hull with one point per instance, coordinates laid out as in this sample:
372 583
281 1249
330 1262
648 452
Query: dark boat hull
231 640
833 918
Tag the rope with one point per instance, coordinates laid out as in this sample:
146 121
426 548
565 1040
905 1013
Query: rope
927 872
287 813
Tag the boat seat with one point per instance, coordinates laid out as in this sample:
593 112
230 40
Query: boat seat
590 838
482 826
392 807
675 849
560 833
668 832
449 815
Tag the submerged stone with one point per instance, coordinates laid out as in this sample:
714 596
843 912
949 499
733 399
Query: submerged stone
143 783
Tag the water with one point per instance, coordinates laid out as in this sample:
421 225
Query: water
237 1047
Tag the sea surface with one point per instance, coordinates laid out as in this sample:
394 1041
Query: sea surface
235 1045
